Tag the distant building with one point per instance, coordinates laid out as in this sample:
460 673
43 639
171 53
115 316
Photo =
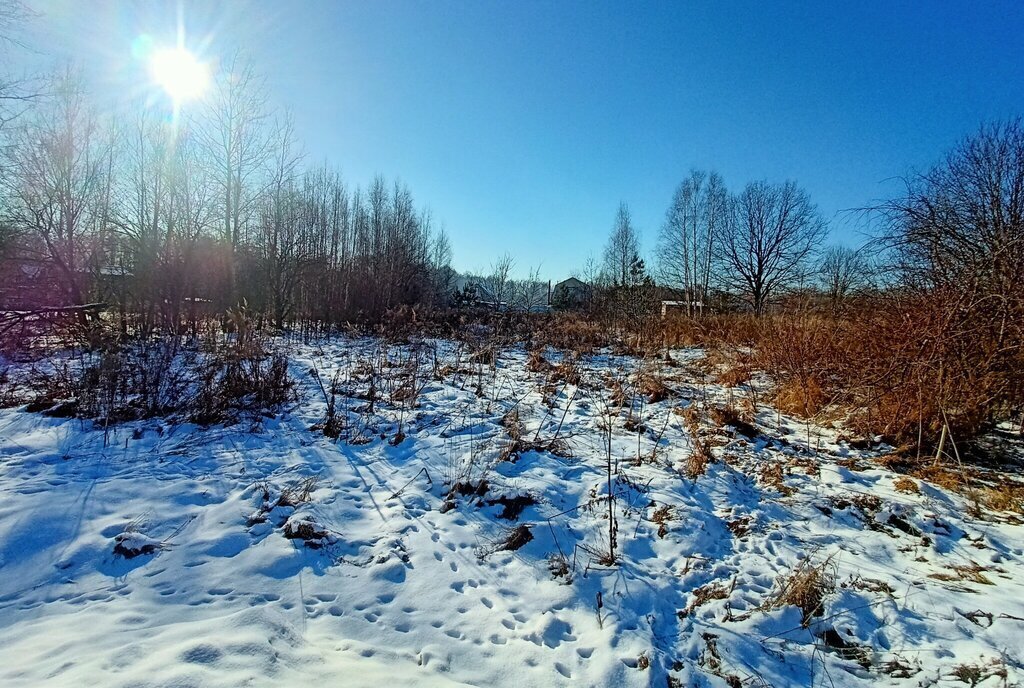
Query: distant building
27 283
570 293
693 303
668 306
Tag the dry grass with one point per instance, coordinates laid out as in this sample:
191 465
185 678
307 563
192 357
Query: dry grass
662 515
727 329
972 573
701 455
617 393
691 416
894 365
567 371
810 466
697 462
735 376
536 363
805 587
486 355
944 477
299 493
803 398
653 388
906 485
703 595
772 475
1007 496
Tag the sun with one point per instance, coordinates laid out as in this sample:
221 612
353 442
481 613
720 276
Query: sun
179 73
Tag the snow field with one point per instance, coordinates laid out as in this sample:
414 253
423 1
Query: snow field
283 556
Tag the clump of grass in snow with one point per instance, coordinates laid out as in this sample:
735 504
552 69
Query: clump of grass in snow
805 587
904 484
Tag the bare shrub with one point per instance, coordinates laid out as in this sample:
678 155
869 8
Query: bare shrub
299 493
698 459
802 398
234 380
798 353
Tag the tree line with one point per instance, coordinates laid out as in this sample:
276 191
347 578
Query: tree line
755 244
205 212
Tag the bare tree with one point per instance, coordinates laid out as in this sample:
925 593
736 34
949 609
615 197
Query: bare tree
532 292
55 181
772 232
689 237
213 207
440 263
498 282
281 232
17 94
622 250
232 130
843 270
161 208
13 15
961 223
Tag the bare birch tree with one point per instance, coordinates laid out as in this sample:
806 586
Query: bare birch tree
531 292
280 221
689 237
499 281
622 250
232 131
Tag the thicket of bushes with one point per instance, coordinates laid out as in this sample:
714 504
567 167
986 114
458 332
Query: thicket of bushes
216 378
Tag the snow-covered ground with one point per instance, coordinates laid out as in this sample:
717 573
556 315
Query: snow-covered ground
457 533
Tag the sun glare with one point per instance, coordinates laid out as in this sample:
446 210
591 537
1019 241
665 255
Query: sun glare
179 73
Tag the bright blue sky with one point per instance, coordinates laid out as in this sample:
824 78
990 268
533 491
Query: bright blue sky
524 124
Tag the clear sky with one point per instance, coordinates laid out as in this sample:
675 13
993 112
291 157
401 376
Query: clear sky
522 125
